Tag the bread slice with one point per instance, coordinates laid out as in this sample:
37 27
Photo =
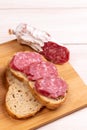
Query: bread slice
19 101
48 102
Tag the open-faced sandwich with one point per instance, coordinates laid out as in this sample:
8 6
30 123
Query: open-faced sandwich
33 83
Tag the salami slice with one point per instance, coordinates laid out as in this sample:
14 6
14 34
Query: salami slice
41 69
52 87
24 59
55 53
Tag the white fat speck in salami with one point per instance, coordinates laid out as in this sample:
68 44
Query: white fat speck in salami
41 69
24 59
52 87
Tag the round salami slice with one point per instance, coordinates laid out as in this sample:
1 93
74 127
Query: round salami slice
24 59
41 69
51 87
55 53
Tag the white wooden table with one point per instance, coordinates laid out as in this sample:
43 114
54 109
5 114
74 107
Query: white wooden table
66 21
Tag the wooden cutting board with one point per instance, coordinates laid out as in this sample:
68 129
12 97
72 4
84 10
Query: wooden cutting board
76 99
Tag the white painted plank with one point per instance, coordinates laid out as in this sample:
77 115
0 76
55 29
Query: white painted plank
65 25
78 56
42 3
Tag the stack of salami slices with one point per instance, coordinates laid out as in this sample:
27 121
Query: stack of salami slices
42 77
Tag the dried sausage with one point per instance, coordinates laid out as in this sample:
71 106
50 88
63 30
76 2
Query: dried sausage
52 87
24 59
55 53
41 69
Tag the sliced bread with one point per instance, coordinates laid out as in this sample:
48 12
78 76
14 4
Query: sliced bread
50 103
46 101
19 101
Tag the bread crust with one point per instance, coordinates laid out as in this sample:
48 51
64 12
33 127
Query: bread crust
14 85
48 102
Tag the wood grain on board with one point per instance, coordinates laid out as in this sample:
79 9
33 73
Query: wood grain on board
76 98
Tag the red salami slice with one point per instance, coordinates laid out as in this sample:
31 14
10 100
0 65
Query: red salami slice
24 59
55 53
52 87
41 69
